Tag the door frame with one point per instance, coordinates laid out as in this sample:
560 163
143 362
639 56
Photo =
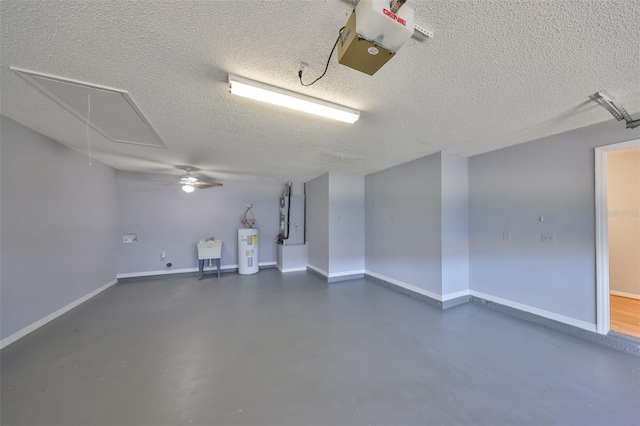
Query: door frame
603 319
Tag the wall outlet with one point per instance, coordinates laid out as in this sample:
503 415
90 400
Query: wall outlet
129 238
163 255
506 235
549 238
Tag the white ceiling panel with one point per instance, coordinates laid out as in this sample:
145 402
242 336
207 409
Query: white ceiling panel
112 112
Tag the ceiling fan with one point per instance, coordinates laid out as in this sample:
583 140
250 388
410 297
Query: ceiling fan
190 183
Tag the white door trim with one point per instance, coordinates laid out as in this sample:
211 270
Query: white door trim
602 232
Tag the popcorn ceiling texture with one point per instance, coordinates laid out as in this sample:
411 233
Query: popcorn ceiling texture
497 73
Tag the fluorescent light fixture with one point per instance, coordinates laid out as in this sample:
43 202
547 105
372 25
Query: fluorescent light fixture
188 188
277 96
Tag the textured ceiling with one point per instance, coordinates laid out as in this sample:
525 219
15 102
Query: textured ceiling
497 73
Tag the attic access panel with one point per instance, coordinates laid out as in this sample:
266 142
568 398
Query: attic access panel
113 112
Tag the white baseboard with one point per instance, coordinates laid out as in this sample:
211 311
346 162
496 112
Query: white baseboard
163 272
455 295
285 270
34 326
522 307
623 294
345 273
411 287
335 274
536 311
318 270
183 270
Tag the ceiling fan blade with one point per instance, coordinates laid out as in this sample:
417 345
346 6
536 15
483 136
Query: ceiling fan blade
205 185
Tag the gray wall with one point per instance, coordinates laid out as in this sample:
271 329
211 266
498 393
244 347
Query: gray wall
509 189
455 223
167 219
317 221
403 223
346 223
58 226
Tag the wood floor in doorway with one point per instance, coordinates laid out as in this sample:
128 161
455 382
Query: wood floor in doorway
625 315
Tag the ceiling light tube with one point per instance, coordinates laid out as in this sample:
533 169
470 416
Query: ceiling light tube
277 96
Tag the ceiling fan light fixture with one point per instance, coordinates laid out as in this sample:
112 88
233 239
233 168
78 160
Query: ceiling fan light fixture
188 188
274 95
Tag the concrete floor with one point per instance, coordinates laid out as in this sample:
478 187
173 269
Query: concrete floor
269 349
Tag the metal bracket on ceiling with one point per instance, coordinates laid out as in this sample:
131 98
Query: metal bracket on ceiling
616 110
422 30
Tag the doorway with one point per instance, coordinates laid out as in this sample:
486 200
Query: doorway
618 238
